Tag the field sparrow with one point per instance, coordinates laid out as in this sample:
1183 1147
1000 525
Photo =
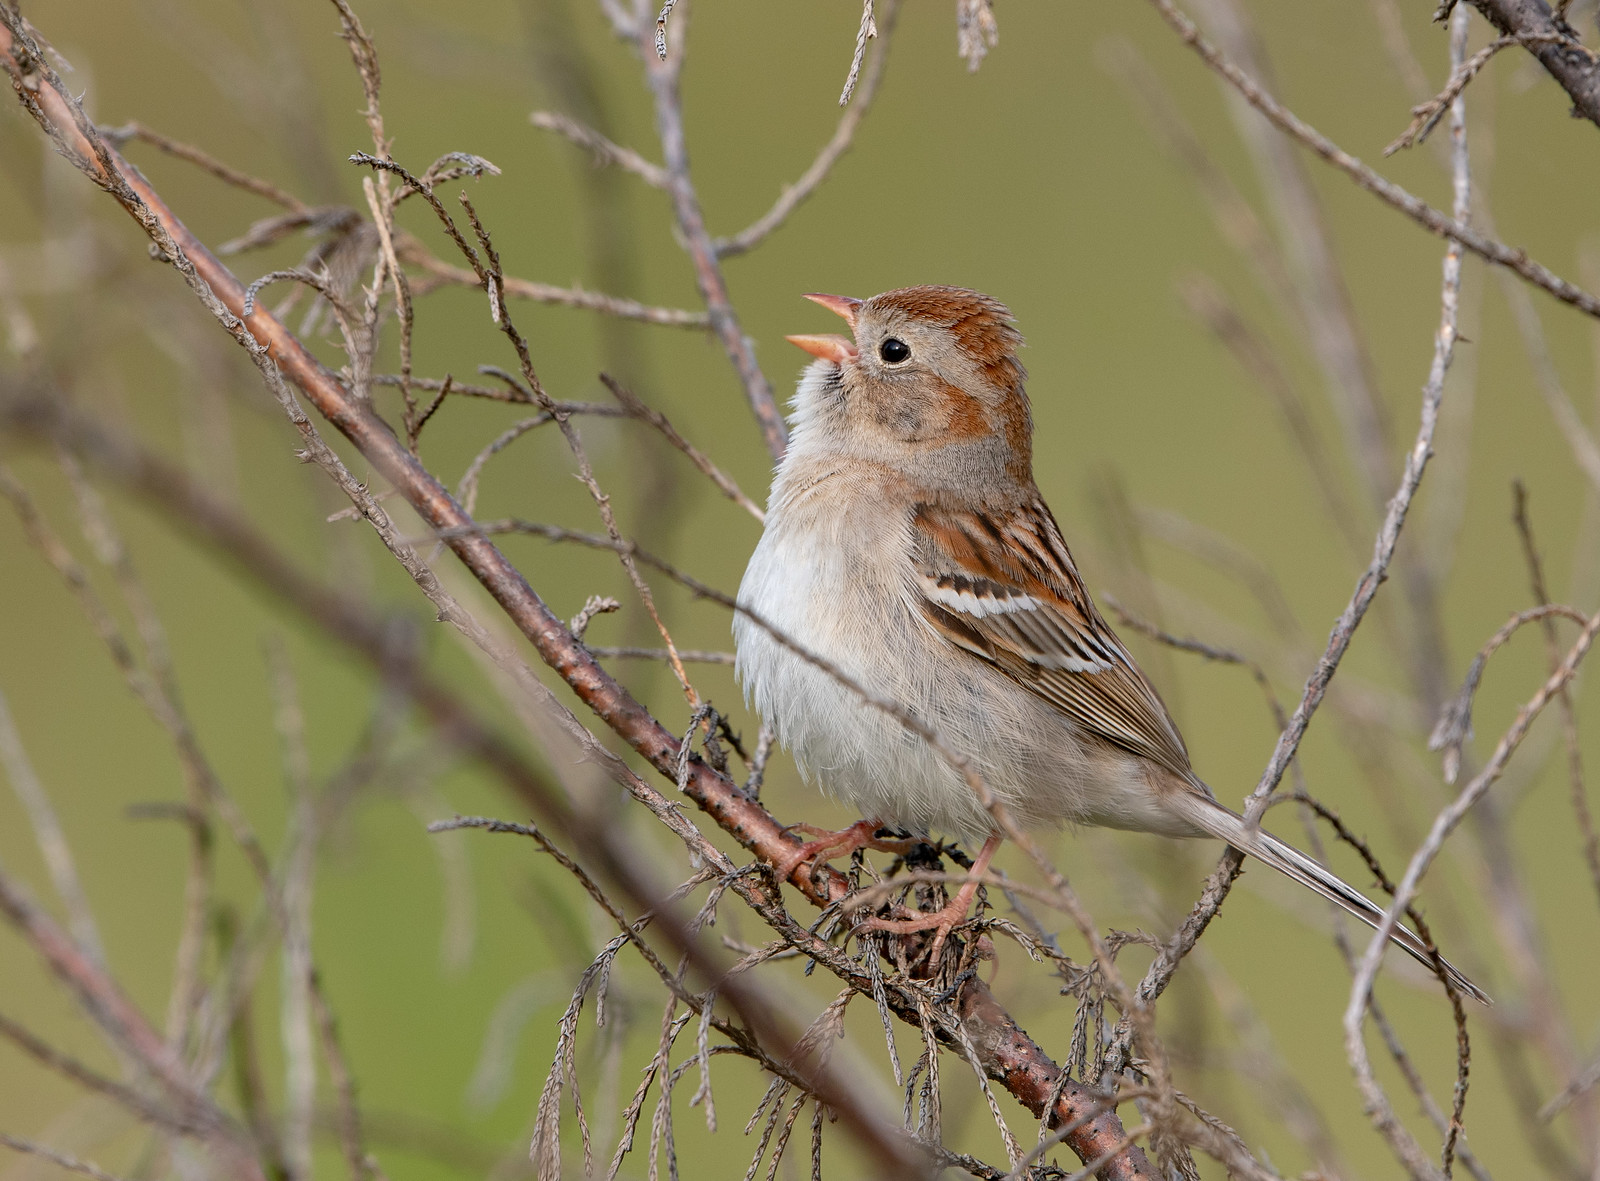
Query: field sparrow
907 543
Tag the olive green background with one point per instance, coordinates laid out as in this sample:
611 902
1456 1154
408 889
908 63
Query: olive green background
1034 179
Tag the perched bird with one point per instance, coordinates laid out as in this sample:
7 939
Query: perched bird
907 545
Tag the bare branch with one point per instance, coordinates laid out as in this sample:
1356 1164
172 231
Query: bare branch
687 655
1320 295
605 152
1444 824
47 833
1555 43
103 999
1455 724
569 297
203 160
1426 116
1569 716
1578 1086
91 1080
1221 880
1378 1108
662 75
867 30
637 408
55 1156
843 136
1452 228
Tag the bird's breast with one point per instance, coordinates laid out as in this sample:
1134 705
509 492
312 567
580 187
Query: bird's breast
829 576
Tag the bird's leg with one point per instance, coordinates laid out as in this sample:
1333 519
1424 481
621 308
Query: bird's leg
953 912
829 844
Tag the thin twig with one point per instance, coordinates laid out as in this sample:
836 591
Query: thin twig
295 890
570 297
687 655
1444 824
1452 228
867 30
638 409
135 1103
1569 715
1559 1102
605 152
569 432
661 72
56 1157
793 196
48 835
1319 293
104 1000
1426 116
1401 1142
1208 303
203 160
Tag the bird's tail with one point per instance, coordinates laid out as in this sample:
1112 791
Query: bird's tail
1227 825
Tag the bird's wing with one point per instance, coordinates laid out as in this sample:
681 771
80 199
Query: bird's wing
1002 586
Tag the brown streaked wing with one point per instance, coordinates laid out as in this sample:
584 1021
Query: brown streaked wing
1003 587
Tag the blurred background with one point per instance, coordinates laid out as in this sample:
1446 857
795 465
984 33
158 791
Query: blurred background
1093 176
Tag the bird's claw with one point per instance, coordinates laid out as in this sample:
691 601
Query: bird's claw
829 844
944 920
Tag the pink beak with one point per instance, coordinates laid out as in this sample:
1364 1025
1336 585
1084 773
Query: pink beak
828 346
841 305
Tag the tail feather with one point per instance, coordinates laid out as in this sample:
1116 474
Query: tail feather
1229 826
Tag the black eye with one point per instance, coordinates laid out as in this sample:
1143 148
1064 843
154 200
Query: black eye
893 350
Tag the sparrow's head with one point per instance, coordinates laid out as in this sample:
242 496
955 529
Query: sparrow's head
930 382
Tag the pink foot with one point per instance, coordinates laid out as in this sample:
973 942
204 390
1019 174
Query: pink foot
954 912
860 835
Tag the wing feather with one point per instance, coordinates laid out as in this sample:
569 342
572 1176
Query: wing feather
1003 587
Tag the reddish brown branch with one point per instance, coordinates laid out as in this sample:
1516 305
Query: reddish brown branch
1005 1051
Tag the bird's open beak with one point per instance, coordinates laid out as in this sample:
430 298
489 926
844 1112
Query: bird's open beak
829 346
841 305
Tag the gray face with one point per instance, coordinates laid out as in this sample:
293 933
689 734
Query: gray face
909 383
930 386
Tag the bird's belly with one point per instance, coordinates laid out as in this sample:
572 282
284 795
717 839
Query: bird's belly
858 618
